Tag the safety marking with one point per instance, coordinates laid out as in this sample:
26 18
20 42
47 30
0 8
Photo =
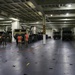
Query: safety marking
27 64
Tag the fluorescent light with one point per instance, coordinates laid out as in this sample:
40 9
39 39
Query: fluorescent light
1 18
37 22
5 24
39 13
7 21
69 5
51 15
67 14
66 19
31 4
14 19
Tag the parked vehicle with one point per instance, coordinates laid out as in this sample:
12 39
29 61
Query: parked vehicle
57 35
67 35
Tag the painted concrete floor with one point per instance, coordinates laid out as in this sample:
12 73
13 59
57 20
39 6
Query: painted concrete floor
54 58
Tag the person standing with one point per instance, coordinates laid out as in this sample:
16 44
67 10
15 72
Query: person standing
0 39
15 36
10 37
26 39
19 40
4 38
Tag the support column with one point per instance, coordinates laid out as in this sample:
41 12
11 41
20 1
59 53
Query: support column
34 30
74 32
52 33
44 30
61 33
15 25
6 28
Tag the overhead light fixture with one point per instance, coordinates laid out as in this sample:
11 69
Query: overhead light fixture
7 21
51 15
37 22
1 18
39 13
14 19
5 24
66 19
69 5
31 4
67 14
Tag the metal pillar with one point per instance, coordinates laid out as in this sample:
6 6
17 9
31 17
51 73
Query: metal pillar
44 30
61 33
34 30
74 33
15 25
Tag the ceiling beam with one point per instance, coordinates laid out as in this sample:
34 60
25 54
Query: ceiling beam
12 2
63 8
61 15
43 2
60 22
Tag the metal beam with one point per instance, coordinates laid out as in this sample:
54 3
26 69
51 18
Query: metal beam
9 3
59 11
63 8
61 15
43 2
26 15
62 19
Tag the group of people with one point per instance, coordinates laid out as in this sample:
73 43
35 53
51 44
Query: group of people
26 38
3 39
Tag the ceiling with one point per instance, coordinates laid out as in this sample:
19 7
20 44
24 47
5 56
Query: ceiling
59 13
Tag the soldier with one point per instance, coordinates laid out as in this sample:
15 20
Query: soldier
0 39
19 40
26 39
4 38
